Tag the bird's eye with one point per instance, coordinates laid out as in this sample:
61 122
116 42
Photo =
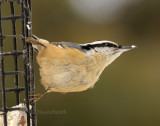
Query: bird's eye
119 46
111 45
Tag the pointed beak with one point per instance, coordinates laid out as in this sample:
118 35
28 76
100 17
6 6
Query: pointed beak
126 48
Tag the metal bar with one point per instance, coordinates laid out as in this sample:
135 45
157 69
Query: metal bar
12 109
14 89
18 1
32 88
12 36
14 73
25 59
31 68
11 53
16 79
11 17
2 75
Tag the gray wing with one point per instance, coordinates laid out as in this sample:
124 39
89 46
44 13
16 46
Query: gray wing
70 45
81 47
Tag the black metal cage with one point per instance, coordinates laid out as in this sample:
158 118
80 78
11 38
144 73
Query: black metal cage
22 56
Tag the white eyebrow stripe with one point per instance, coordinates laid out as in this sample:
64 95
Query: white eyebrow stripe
99 42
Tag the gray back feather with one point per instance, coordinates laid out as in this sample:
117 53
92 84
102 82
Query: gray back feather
69 44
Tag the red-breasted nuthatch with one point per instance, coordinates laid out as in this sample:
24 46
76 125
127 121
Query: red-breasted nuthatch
70 67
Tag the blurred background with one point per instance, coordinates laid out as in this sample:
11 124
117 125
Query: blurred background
128 91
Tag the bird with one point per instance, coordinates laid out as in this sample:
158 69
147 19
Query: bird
71 67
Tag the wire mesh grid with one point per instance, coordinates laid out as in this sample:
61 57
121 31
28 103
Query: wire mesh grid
22 60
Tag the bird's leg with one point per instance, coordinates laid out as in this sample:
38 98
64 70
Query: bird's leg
36 97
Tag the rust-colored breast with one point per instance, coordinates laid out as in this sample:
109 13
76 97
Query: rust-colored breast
67 69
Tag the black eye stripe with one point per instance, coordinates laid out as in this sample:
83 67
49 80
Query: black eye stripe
111 45
92 46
